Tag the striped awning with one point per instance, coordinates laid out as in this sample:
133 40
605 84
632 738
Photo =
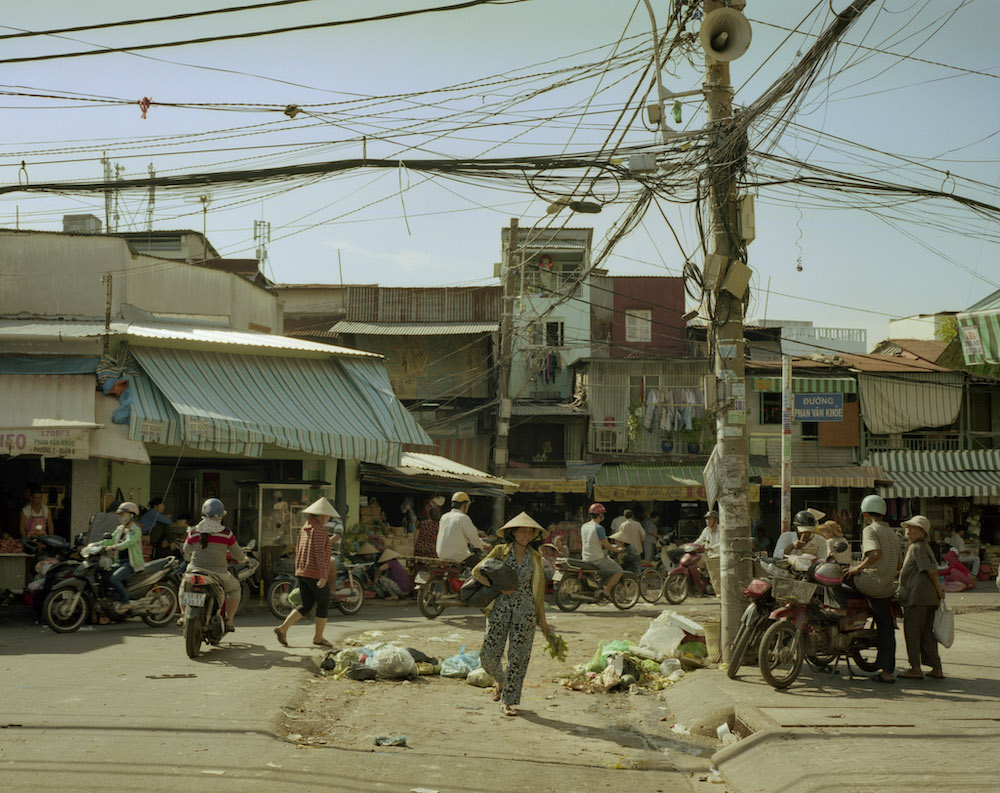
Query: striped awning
944 474
979 331
865 476
236 403
808 385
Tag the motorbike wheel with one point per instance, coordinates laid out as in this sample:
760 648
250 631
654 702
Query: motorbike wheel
780 655
61 615
746 636
651 585
277 597
676 588
864 657
245 595
352 603
166 600
567 594
428 601
194 629
626 592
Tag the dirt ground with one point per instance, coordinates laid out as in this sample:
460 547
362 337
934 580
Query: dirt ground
441 716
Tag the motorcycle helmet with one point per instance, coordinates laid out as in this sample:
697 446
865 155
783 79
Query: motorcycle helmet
127 506
212 508
597 509
712 513
460 497
828 574
804 519
874 505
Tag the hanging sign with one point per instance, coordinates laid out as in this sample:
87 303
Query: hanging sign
819 407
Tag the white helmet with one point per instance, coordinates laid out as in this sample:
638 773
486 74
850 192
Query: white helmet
874 505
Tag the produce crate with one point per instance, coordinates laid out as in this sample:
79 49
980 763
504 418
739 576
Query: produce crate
791 590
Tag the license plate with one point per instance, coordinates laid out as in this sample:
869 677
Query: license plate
557 576
193 598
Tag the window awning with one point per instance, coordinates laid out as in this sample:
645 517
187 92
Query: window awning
649 483
237 403
830 476
944 474
807 385
546 480
47 414
432 473
893 404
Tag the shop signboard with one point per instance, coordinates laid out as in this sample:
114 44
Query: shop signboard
71 444
818 407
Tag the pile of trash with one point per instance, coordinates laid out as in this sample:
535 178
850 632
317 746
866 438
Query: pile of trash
390 661
670 647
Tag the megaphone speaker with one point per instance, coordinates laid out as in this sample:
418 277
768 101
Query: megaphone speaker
725 34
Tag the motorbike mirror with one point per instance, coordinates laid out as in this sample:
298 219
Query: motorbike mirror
840 546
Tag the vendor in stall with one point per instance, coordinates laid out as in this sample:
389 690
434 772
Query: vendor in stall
392 581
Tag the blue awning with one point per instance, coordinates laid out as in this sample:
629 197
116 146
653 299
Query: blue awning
235 404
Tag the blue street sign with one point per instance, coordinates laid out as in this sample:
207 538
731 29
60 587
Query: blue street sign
818 407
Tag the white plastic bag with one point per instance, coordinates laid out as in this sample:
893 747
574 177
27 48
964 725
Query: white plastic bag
392 662
460 665
667 631
944 625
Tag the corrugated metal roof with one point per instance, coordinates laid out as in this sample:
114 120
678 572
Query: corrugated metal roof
535 409
415 328
830 476
412 463
190 334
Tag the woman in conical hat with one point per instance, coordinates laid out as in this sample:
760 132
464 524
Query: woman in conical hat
513 615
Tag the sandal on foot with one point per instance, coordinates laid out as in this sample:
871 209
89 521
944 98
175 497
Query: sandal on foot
282 639
497 691
910 675
936 675
322 643
508 710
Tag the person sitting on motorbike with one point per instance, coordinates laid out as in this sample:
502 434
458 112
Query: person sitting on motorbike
808 542
631 534
205 550
596 546
127 540
457 532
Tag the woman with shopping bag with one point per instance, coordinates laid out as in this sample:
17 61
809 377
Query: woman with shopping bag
920 594
512 616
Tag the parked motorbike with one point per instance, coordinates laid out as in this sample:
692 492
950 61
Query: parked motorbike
248 574
579 582
755 620
54 559
811 624
348 596
687 577
88 591
437 583
204 602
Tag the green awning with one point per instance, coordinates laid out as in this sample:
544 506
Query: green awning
235 404
940 474
624 482
979 331
806 385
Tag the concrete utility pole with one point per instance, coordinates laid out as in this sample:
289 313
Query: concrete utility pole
509 276
733 461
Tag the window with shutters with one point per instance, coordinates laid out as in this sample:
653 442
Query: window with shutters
638 324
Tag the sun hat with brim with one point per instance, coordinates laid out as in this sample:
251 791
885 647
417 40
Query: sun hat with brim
367 548
321 506
524 520
918 522
387 554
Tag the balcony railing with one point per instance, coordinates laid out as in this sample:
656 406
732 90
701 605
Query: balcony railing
930 442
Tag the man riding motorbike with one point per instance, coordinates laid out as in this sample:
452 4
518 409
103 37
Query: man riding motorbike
595 547
205 550
457 532
127 540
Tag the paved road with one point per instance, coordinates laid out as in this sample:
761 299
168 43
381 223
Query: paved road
110 707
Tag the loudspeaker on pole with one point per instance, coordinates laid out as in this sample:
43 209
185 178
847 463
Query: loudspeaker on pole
725 34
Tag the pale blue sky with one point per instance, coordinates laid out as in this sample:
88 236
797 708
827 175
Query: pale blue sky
849 258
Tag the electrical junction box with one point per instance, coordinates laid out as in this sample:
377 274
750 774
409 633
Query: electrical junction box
642 163
748 220
737 279
713 271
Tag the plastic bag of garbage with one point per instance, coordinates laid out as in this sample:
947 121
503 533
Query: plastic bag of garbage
392 662
604 649
668 631
460 665
479 677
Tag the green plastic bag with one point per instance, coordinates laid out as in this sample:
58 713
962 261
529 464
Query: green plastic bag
604 649
697 649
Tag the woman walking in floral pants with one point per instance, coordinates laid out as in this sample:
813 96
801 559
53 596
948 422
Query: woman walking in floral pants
512 616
